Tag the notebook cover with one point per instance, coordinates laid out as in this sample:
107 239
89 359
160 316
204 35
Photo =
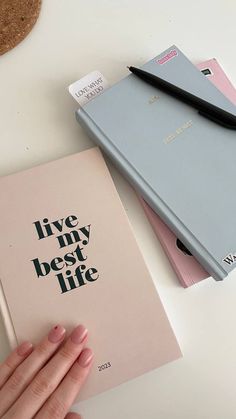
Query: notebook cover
174 157
187 268
69 209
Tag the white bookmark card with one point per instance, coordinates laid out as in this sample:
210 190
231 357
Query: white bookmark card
87 88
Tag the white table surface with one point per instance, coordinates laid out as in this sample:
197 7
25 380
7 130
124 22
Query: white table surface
71 39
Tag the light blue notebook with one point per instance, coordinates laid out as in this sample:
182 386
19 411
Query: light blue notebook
181 163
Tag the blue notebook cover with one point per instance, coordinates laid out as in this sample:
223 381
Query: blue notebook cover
180 162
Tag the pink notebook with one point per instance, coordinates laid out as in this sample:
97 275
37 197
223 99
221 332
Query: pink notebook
187 268
68 255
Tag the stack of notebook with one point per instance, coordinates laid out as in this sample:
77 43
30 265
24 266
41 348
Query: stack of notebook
180 162
188 269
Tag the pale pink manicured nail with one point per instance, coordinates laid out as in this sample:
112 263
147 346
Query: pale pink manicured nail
56 334
25 348
79 334
85 357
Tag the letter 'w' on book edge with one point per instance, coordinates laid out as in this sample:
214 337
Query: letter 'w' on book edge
177 160
187 268
68 255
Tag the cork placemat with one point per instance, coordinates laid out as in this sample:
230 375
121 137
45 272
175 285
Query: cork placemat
17 18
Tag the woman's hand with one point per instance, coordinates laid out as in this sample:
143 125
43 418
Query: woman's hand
42 382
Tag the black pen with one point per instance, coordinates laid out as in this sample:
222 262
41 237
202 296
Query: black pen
205 108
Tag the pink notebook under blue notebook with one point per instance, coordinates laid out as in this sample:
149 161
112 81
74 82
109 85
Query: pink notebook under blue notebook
187 268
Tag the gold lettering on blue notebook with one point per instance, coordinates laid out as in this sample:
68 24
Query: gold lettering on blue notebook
177 132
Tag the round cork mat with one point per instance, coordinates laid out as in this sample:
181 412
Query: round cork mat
17 18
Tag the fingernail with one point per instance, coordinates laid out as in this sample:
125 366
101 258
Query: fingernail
79 334
56 334
24 349
85 357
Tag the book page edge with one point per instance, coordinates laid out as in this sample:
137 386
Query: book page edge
7 321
